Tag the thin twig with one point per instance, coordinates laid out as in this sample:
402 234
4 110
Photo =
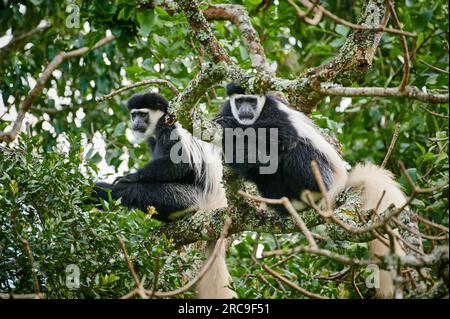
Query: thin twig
28 252
21 296
155 276
379 201
407 244
288 205
363 27
336 275
320 252
354 285
404 45
374 232
140 289
7 110
417 233
391 146
292 285
322 188
410 92
432 224
433 67
137 84
438 139
304 15
434 113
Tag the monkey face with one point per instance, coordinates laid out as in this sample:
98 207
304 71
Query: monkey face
246 108
143 121
139 120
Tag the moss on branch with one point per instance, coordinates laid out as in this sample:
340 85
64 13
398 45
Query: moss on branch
247 215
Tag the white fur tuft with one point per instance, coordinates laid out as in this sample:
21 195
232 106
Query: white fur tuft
372 180
205 159
214 284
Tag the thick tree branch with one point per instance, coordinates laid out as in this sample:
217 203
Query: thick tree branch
248 216
181 108
352 62
239 16
409 91
202 31
304 15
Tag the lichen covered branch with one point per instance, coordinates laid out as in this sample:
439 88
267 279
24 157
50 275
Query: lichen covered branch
248 216
239 16
409 92
202 31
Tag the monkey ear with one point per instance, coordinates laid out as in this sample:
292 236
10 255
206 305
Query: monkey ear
234 89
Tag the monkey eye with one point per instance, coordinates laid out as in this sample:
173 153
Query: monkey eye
139 114
250 101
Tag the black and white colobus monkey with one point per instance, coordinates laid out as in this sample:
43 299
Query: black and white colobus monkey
185 174
298 143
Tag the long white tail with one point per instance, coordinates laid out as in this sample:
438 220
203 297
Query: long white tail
214 284
372 180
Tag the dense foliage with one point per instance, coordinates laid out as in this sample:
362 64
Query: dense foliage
46 174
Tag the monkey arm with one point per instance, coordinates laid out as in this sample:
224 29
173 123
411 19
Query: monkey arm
165 170
225 120
162 170
151 143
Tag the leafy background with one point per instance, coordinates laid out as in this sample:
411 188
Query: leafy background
73 140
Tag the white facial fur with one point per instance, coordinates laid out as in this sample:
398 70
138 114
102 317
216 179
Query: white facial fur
153 116
261 100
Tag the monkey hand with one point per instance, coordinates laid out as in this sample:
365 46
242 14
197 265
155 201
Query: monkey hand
224 120
130 178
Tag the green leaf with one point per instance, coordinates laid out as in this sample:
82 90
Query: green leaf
422 149
145 20
96 158
412 172
342 29
126 13
423 19
120 129
338 42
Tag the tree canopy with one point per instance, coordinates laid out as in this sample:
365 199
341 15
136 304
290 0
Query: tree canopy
370 73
